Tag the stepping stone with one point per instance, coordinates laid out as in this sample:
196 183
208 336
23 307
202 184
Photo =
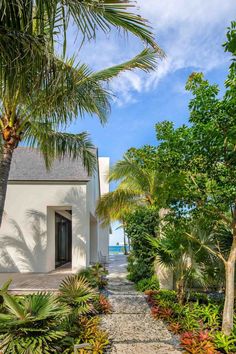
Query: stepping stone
138 327
125 304
143 348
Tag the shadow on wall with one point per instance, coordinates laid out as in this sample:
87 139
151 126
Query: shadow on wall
22 251
80 228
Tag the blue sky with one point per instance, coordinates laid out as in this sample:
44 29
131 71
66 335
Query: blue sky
191 33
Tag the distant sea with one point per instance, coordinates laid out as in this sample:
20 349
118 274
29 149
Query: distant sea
116 249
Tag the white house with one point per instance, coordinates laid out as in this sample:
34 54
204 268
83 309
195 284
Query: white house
49 219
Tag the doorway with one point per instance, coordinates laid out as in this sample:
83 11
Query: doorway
63 239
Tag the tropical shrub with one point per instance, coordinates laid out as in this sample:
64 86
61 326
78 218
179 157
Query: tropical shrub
197 343
77 293
138 269
95 275
148 284
138 224
168 295
86 329
47 323
226 344
92 334
33 324
201 298
102 304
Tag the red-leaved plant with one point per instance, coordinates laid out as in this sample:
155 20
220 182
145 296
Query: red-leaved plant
104 305
175 327
198 342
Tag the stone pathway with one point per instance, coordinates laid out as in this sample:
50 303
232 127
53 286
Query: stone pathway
131 328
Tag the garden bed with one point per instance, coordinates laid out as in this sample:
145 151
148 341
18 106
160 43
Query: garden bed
198 321
56 323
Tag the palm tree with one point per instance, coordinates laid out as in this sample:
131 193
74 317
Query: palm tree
188 248
41 93
137 187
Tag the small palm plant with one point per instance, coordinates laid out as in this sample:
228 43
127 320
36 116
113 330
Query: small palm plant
77 293
31 324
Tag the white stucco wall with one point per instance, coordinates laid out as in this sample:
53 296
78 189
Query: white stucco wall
27 236
104 166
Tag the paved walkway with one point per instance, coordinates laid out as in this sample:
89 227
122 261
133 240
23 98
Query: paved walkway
130 326
25 283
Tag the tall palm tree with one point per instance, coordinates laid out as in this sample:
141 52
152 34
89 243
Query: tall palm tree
137 187
39 92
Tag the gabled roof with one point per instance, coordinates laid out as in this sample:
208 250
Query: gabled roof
28 165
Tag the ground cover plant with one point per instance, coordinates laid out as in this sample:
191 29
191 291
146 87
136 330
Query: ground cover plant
148 284
49 323
197 321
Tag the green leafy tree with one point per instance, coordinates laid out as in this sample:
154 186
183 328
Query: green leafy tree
40 94
200 159
138 224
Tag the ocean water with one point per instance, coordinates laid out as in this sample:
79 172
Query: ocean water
116 249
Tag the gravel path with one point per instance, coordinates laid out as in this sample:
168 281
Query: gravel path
131 328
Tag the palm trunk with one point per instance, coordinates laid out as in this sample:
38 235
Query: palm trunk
129 244
5 164
180 290
125 245
228 313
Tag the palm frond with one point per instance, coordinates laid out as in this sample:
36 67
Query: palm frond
126 168
55 144
77 293
133 177
146 60
112 206
90 15
33 328
67 92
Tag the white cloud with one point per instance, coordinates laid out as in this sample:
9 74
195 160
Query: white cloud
190 31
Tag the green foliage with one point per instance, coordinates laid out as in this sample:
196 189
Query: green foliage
148 284
167 295
45 323
95 275
32 324
138 224
30 28
197 322
139 269
224 343
201 298
77 293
